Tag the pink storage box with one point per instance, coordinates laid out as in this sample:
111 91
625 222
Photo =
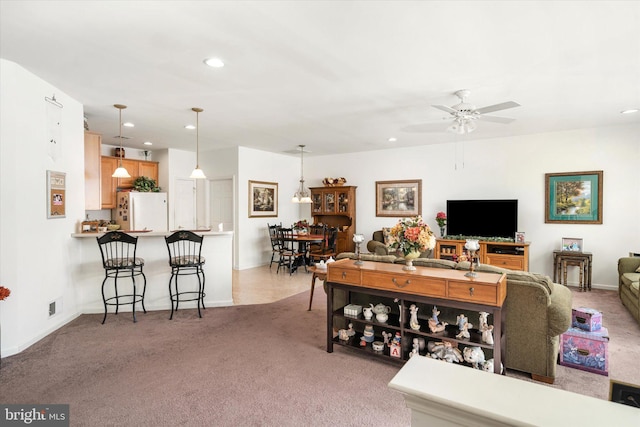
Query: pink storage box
587 319
584 350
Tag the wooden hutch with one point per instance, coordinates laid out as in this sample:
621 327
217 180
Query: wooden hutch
336 207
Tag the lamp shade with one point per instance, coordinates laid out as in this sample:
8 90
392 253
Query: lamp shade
197 174
121 172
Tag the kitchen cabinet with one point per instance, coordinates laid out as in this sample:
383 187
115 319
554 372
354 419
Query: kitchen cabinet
109 185
336 207
92 168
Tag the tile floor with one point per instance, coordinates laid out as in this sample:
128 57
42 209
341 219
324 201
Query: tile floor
262 285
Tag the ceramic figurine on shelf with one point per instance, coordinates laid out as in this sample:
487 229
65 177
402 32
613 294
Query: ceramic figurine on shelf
397 339
463 326
413 321
434 324
475 356
397 301
444 350
489 365
415 349
368 312
387 336
485 328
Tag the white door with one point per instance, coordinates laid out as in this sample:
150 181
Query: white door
184 208
221 204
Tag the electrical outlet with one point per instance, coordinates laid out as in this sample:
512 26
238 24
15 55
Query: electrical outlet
52 308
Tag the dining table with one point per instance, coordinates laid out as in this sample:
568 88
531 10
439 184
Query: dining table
303 241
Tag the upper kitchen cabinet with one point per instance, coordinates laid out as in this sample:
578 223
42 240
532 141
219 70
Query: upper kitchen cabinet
92 147
110 185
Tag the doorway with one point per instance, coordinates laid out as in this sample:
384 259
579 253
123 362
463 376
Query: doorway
184 209
221 204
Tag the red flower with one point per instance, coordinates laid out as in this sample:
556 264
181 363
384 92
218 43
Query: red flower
4 293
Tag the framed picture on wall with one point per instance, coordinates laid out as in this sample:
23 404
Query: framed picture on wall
399 198
56 194
263 199
573 198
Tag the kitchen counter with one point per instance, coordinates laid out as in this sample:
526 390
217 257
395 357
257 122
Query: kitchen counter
217 249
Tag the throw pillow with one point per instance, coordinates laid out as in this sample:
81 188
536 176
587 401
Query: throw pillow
638 270
385 235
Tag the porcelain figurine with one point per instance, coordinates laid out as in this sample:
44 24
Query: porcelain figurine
434 324
382 312
416 346
485 328
444 350
413 321
489 365
463 326
387 336
475 356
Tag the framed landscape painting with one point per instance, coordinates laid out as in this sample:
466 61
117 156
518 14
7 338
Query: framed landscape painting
399 198
573 197
263 199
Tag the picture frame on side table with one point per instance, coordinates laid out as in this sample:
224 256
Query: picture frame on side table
573 198
572 244
399 198
624 393
56 194
519 238
263 199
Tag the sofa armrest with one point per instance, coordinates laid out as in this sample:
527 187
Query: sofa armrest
559 311
628 265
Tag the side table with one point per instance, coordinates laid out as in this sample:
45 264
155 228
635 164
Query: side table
564 259
317 274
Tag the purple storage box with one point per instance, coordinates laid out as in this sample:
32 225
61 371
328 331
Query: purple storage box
587 319
584 350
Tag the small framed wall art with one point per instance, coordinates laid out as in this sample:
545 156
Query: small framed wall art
56 194
263 199
573 198
399 198
572 244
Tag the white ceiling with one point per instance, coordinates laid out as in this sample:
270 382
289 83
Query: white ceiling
338 76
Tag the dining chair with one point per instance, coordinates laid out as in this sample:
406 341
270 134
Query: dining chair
318 230
290 256
276 248
119 260
328 248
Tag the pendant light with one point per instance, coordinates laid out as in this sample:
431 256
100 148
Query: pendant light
120 172
197 172
302 195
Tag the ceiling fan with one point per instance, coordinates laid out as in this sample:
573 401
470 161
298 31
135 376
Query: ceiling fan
465 114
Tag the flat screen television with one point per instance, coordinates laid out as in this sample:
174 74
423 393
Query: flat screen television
485 218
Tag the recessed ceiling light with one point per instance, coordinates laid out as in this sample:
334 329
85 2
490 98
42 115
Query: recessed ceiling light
128 125
189 127
629 111
214 62
392 139
148 143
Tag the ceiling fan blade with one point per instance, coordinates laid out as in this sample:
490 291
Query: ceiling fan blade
445 108
496 119
497 107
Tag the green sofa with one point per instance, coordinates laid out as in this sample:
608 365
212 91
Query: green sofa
629 275
537 312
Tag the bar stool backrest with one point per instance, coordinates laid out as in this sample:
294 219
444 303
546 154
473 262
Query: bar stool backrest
118 250
185 249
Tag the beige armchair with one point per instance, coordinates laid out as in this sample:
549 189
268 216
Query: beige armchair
628 278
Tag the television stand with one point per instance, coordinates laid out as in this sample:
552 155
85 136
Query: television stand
511 255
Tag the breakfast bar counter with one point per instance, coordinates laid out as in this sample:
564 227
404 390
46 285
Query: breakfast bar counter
217 250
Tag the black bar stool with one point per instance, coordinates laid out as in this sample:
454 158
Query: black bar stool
119 259
185 259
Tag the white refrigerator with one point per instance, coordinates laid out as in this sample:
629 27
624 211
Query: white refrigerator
141 211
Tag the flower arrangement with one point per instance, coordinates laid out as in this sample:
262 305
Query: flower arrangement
411 235
302 224
441 219
4 293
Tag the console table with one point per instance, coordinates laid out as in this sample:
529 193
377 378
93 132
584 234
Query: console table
564 259
425 287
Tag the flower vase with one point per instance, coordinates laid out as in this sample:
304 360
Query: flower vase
408 266
442 231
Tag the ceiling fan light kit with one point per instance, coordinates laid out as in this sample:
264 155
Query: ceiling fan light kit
464 114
